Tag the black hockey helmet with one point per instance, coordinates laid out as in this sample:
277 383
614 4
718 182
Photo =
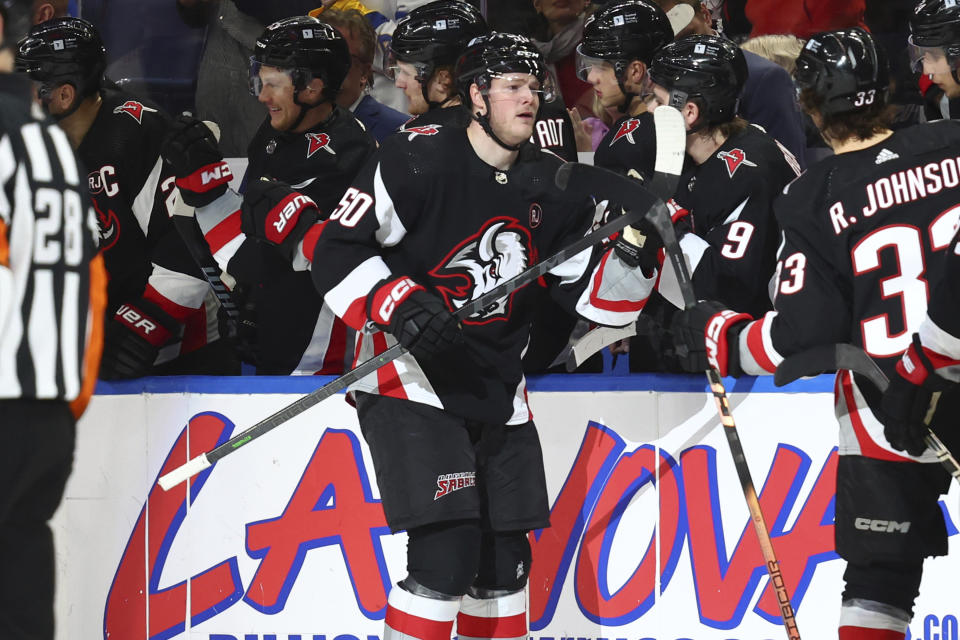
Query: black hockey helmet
935 24
63 51
434 35
16 20
845 69
702 66
307 49
621 32
496 54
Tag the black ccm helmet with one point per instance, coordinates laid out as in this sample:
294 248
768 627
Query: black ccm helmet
845 69
434 35
936 23
707 67
496 54
307 49
621 32
493 55
63 51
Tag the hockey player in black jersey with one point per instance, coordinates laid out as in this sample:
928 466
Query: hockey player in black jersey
935 48
863 232
727 189
308 142
619 42
433 221
163 312
737 171
424 48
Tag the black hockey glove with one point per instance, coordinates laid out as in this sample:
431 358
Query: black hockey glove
132 339
416 318
906 401
191 149
274 213
638 245
707 335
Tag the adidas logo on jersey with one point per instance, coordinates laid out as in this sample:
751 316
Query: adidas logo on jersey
884 155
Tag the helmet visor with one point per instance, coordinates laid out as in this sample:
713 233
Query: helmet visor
929 60
586 63
515 85
264 76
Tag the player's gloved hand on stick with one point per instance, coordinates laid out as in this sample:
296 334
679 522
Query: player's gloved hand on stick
708 333
274 213
415 317
638 245
133 337
906 401
191 149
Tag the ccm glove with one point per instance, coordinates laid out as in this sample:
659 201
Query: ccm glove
639 246
906 401
132 339
708 334
416 318
191 149
274 213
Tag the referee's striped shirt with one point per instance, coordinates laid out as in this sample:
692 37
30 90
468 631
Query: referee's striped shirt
51 278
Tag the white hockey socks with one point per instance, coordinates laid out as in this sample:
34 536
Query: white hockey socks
417 616
493 615
869 620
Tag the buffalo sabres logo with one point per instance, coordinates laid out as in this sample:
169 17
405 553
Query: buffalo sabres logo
134 109
626 131
426 130
317 141
733 159
108 226
496 253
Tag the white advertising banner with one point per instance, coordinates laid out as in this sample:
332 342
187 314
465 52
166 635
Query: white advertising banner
286 540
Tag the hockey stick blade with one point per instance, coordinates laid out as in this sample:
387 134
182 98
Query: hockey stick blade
664 227
531 274
838 357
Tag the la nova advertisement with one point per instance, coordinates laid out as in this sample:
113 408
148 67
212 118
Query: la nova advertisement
285 539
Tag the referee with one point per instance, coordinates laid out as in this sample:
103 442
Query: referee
52 292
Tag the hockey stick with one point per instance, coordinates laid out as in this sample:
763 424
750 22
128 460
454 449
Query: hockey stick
184 222
643 201
625 190
836 357
671 138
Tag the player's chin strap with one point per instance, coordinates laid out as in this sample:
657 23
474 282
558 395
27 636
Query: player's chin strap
304 107
484 121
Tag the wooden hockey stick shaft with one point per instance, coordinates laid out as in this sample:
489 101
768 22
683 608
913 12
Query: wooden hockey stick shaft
606 181
836 357
646 204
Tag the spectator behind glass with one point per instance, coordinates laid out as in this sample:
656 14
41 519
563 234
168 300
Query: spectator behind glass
378 118
767 98
222 94
557 34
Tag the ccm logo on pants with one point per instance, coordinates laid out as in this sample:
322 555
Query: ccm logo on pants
881 526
